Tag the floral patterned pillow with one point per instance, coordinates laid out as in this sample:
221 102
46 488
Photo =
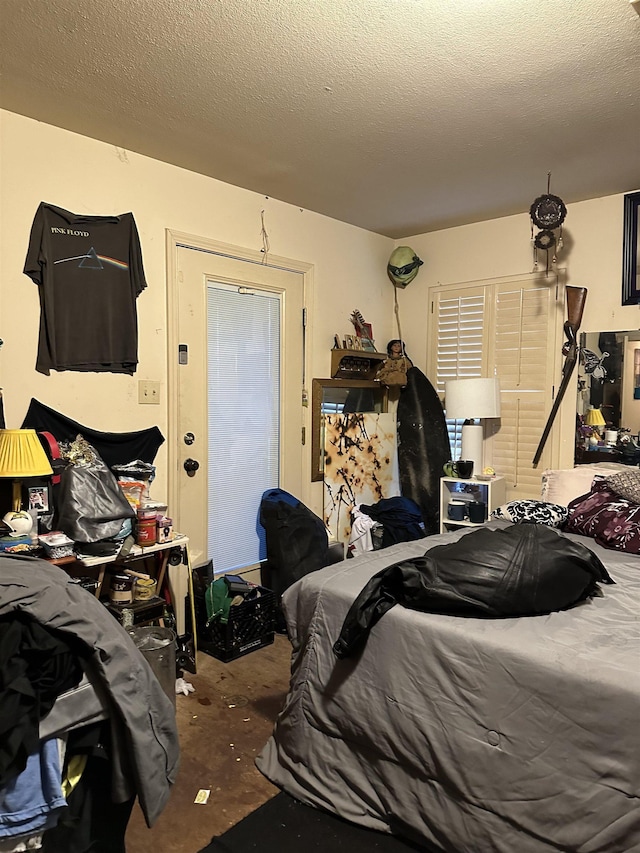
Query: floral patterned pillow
532 512
605 517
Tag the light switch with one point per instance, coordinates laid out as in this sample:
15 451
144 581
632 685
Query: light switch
149 392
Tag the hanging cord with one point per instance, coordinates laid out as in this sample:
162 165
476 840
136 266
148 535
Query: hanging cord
265 239
397 313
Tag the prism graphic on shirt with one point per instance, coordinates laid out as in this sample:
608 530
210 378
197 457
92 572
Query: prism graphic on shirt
93 261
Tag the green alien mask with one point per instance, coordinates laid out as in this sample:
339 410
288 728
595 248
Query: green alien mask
403 266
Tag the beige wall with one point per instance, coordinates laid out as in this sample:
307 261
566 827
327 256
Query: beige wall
39 162
592 258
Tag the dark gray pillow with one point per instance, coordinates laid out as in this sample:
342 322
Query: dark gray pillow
532 512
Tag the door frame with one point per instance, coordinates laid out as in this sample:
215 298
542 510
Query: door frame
175 239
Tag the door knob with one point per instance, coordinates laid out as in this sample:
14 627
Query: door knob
191 466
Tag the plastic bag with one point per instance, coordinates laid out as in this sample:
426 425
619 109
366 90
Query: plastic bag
91 505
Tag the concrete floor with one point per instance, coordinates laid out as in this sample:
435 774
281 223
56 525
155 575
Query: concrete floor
222 727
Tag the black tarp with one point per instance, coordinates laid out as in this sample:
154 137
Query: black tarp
114 448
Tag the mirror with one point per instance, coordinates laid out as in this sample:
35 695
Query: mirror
609 380
334 396
631 250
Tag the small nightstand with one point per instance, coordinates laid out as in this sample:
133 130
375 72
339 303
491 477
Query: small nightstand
493 492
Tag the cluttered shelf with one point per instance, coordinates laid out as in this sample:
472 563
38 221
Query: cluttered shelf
135 581
100 525
136 585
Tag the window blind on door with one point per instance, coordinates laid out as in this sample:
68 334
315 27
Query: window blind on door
243 336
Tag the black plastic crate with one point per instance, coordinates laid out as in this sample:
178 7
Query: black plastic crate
250 627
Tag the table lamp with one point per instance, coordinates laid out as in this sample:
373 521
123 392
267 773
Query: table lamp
21 456
469 399
594 418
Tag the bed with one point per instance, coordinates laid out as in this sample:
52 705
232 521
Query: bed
467 734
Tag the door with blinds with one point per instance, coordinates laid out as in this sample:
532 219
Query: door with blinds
243 406
508 328
239 407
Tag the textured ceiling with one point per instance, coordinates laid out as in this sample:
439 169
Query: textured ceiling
400 116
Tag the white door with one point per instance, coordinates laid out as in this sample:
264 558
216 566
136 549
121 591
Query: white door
209 380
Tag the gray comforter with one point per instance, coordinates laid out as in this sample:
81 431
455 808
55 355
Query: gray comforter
477 735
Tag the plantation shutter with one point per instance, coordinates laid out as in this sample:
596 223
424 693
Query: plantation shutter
506 328
523 349
458 322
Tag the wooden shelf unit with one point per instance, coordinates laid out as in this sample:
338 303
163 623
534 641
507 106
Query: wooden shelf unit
355 363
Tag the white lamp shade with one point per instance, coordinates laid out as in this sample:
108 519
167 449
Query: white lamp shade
472 398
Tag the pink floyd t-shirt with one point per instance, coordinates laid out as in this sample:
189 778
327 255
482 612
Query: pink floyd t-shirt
89 272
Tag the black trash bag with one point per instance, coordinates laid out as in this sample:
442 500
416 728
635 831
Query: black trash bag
521 570
296 539
91 505
297 543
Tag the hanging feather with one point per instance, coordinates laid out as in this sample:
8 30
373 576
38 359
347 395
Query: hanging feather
359 324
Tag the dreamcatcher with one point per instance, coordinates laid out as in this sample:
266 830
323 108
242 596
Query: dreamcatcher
547 213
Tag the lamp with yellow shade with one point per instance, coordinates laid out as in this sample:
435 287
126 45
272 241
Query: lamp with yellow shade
594 418
21 456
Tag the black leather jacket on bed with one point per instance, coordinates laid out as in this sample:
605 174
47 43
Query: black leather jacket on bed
520 570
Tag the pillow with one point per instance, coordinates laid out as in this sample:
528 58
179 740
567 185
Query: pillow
626 484
532 512
605 517
560 486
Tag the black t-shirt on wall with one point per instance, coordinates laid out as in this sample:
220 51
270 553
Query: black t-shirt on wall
89 272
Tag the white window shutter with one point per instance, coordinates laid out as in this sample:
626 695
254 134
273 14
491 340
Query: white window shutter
507 328
523 351
457 326
459 322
